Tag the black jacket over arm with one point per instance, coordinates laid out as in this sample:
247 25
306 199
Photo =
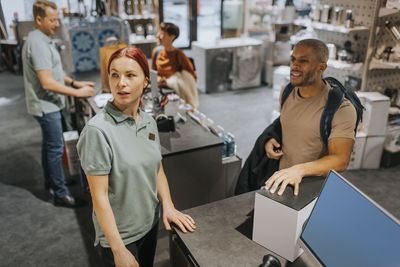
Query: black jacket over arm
258 167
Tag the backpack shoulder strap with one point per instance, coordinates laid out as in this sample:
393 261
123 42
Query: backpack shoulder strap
335 99
286 92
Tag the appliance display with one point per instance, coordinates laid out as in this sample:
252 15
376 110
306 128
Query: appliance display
231 63
247 63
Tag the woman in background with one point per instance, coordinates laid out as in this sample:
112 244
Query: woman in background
120 153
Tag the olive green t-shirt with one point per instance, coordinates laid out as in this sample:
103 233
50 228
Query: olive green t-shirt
113 144
39 53
300 120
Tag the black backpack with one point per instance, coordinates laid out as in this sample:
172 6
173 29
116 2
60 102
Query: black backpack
335 98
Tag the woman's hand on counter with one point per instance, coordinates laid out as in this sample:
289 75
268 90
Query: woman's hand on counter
80 84
183 221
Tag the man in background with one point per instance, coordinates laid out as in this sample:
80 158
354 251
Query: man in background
45 92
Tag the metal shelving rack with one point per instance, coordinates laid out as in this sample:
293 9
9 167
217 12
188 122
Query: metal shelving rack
381 75
368 15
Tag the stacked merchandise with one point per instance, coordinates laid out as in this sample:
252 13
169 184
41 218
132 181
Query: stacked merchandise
281 79
391 152
368 147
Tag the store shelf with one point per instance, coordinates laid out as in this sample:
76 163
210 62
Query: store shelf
345 66
261 11
383 12
8 42
379 64
138 17
328 27
259 29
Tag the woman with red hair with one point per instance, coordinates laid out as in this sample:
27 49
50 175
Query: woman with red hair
120 153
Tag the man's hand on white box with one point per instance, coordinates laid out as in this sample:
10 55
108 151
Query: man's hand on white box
290 176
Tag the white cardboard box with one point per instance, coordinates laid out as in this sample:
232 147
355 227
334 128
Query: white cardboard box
375 114
358 151
372 152
392 139
281 77
278 220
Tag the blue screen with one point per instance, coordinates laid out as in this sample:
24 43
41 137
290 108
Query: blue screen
346 229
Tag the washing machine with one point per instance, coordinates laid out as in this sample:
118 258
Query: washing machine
226 64
213 66
247 66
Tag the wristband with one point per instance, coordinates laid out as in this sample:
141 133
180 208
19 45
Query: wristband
72 83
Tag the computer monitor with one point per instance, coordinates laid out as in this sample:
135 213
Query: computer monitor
347 228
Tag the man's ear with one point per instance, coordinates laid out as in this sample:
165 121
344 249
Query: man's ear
323 66
38 20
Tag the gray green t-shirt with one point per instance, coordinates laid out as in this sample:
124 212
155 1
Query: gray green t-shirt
113 144
39 53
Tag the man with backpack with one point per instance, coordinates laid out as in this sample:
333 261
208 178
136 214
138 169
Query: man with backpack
316 129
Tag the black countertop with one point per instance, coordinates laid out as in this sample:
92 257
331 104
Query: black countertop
188 136
224 230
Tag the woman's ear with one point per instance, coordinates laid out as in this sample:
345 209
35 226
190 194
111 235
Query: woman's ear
146 83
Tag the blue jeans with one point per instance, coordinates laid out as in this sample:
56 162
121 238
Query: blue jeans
52 151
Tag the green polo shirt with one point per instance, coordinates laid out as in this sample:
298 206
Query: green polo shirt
39 53
112 143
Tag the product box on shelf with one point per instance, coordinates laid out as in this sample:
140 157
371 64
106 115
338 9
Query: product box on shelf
392 139
375 114
281 77
393 4
372 152
358 151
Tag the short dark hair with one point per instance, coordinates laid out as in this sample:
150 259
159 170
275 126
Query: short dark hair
39 8
170 28
318 46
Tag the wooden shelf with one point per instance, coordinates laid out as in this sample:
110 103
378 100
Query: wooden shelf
8 42
383 11
259 29
328 27
379 64
138 17
261 11
345 66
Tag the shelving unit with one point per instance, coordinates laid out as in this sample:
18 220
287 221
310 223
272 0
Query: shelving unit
329 27
383 12
379 64
379 74
368 16
367 34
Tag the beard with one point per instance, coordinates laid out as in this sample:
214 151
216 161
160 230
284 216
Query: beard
309 78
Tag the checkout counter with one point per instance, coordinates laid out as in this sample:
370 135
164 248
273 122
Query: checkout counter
225 230
192 155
